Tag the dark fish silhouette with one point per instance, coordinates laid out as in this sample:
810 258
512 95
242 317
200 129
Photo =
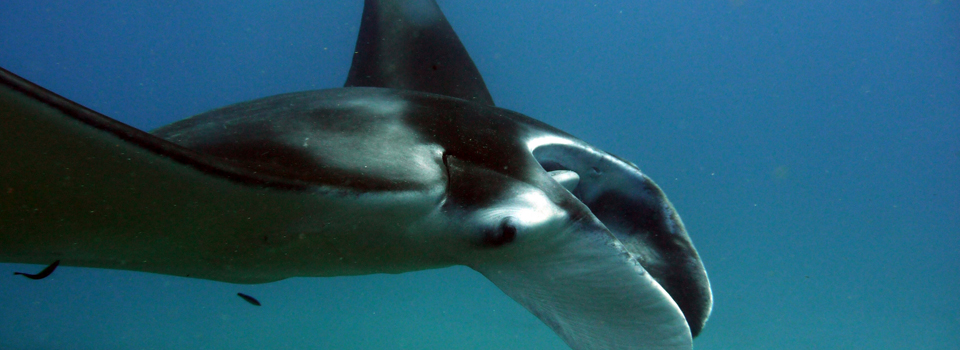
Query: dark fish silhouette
43 274
249 299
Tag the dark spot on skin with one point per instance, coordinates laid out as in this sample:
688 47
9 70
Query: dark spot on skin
249 299
435 66
504 233
46 272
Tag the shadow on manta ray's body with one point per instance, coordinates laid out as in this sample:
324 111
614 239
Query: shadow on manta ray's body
410 166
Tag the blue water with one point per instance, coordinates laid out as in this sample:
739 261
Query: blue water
812 148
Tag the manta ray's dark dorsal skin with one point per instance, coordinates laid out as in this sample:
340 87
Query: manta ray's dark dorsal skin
408 167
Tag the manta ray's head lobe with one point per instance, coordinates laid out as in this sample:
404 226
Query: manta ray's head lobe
639 215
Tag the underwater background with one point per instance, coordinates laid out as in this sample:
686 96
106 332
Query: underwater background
811 147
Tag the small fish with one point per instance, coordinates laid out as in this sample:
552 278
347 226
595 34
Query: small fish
46 272
249 299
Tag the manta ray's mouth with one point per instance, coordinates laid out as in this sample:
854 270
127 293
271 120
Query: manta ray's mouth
641 217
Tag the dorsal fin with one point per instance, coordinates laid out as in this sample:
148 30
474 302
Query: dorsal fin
408 44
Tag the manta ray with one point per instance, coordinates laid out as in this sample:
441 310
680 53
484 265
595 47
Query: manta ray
409 166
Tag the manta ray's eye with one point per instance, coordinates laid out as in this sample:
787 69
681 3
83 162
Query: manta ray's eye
504 233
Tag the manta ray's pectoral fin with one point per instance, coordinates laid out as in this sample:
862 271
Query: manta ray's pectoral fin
593 293
87 190
410 45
